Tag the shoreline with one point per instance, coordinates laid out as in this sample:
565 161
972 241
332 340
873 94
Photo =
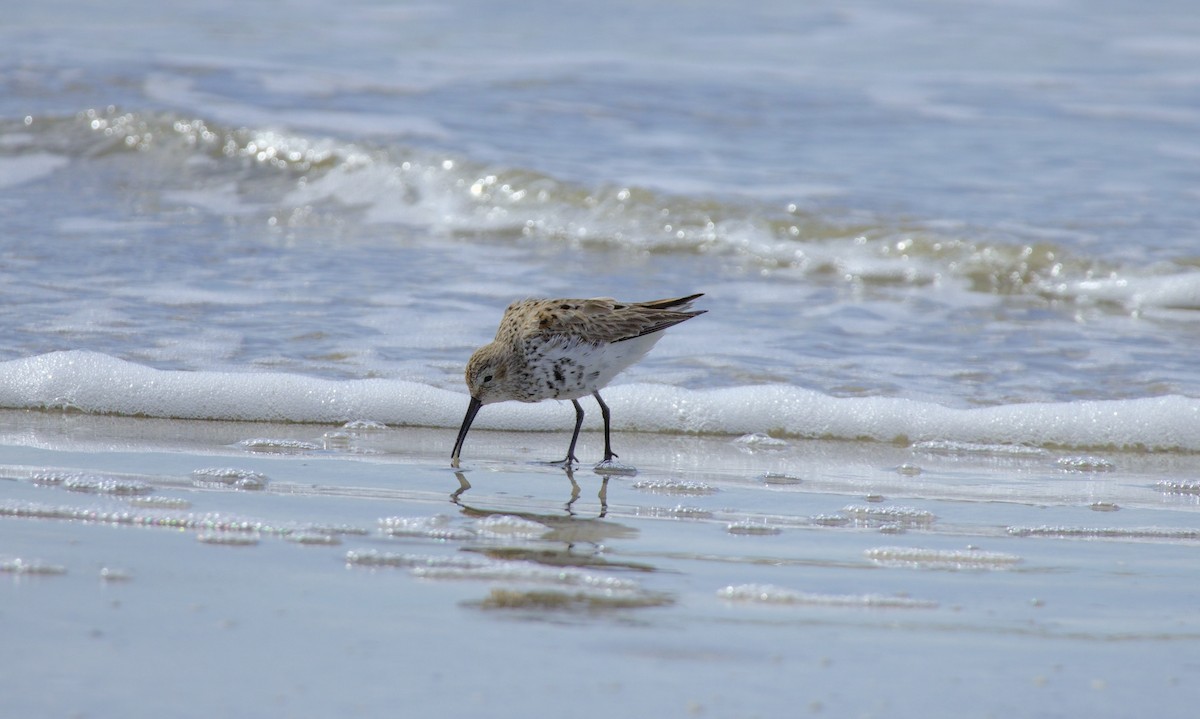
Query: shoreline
336 578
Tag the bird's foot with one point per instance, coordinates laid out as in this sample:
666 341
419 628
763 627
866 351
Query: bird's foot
567 462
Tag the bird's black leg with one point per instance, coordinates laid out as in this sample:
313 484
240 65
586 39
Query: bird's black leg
574 437
608 453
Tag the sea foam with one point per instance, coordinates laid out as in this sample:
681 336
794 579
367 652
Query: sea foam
98 383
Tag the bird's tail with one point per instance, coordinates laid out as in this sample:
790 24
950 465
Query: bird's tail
676 304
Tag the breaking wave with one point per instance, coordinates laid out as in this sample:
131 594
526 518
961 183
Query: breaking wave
97 383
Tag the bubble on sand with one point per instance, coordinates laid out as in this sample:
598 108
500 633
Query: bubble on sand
336 530
91 483
673 486
107 485
51 478
679 511
908 470
1085 464
344 440
759 440
770 594
33 567
525 573
210 522
508 526
268 445
880 516
228 539
612 467
1106 532
160 503
435 527
1104 507
829 520
1180 486
749 528
229 477
952 560
313 538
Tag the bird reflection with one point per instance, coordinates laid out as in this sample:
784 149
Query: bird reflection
464 485
565 527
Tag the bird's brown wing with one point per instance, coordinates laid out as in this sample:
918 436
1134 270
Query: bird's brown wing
596 320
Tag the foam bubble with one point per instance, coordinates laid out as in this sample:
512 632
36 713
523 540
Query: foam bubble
1180 486
114 574
675 486
1152 533
750 528
160 503
278 446
230 477
435 527
228 539
770 594
920 558
881 516
313 538
1085 464
759 440
679 511
507 526
30 567
92 483
524 573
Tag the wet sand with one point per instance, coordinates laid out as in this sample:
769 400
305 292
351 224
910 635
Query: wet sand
184 568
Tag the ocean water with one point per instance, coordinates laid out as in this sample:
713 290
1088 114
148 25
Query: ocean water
963 207
951 262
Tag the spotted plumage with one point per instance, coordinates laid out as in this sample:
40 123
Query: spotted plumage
566 349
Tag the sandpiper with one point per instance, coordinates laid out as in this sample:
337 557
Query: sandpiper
565 349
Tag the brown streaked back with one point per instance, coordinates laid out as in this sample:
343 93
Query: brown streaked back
595 320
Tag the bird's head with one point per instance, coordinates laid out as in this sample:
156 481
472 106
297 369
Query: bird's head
487 378
488 375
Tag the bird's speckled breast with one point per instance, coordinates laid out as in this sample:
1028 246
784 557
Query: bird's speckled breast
559 368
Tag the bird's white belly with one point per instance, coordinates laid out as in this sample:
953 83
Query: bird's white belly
566 369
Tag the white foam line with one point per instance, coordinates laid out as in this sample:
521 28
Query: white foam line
98 383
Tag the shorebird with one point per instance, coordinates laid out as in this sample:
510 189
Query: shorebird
565 349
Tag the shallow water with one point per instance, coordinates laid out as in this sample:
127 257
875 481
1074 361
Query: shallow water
354 571
943 403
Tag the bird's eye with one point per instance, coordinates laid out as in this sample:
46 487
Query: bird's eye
487 379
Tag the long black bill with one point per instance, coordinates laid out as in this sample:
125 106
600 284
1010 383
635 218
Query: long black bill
472 410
